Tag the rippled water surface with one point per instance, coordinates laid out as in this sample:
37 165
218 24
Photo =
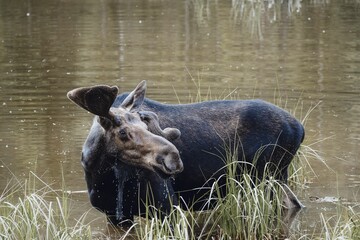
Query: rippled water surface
298 55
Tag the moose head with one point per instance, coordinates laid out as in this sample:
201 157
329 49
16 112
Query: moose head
133 135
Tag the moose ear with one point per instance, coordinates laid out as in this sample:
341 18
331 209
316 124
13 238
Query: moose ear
136 98
152 121
97 99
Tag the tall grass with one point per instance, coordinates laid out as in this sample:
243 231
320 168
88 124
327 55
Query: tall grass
344 225
178 224
28 211
34 210
247 212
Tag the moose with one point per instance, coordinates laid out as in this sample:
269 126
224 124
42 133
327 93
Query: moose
177 151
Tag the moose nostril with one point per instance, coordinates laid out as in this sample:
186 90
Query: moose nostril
173 162
159 159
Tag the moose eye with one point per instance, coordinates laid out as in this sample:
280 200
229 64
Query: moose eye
123 134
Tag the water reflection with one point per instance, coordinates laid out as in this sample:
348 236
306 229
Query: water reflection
249 14
254 14
295 53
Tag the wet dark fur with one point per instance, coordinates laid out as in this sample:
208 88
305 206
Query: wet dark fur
205 128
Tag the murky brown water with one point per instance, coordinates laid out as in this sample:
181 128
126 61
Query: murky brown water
297 55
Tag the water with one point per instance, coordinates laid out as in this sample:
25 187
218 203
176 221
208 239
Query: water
298 55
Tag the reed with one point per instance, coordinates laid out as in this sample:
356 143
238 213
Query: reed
247 212
344 225
28 211
178 224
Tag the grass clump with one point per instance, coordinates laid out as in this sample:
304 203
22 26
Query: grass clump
29 212
248 211
344 225
178 224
